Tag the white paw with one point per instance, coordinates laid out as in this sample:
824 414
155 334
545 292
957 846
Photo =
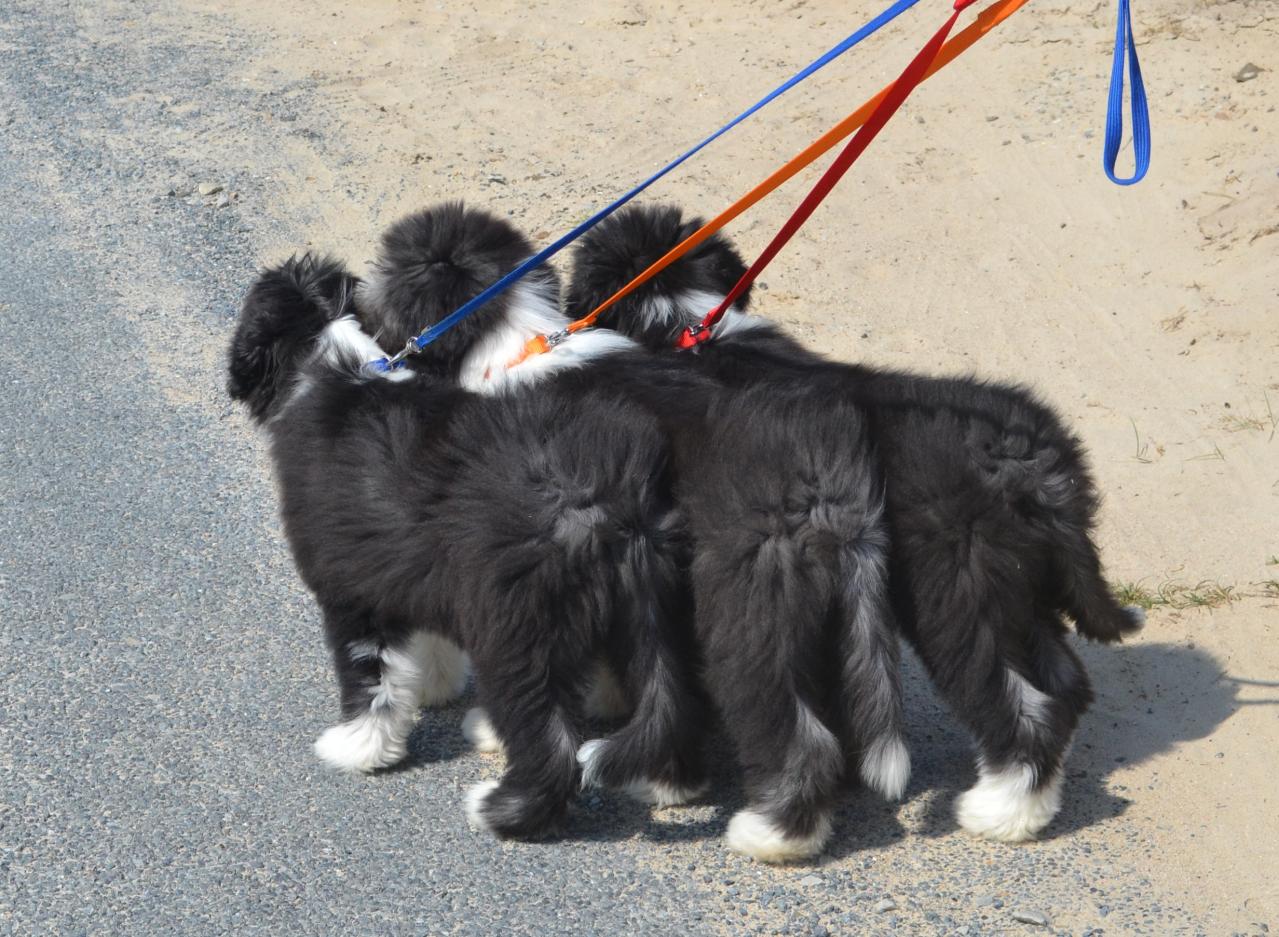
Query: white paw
752 834
444 669
1005 806
661 794
478 730
475 800
364 744
885 767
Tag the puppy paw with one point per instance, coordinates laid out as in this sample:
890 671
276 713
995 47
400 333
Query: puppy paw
478 730
1005 806
751 833
362 745
476 800
664 794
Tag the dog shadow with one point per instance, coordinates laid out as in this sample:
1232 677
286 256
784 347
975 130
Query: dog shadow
1150 698
437 737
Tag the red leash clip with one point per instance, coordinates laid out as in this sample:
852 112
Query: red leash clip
693 336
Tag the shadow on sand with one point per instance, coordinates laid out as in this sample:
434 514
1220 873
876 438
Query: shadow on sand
1150 697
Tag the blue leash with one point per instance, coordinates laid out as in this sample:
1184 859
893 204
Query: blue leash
421 341
1115 105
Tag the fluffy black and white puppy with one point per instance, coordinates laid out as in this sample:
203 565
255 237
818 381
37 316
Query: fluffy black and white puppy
989 507
537 534
783 503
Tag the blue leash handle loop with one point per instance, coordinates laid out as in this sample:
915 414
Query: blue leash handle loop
1115 105
500 286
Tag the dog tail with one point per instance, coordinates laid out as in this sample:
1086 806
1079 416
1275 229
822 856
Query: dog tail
870 664
434 260
656 755
1060 490
1097 613
628 242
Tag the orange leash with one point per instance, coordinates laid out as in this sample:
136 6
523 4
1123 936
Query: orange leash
986 20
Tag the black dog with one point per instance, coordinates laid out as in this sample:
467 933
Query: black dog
783 501
989 507
537 533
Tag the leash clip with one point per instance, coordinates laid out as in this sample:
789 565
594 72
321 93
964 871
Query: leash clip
692 336
396 361
557 338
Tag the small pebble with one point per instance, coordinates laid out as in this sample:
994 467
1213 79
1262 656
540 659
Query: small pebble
886 904
209 188
811 880
1248 72
1030 917
223 200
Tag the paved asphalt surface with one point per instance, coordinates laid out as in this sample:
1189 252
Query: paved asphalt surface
163 674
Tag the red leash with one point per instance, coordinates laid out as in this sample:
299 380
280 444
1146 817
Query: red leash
901 89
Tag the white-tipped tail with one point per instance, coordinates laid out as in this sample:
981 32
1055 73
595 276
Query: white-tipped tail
588 756
885 766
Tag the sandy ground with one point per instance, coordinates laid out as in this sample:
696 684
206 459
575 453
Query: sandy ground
977 235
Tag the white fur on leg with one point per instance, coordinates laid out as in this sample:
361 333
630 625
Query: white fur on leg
444 666
660 794
604 696
1004 805
885 766
475 799
1137 614
363 744
753 834
478 729
377 738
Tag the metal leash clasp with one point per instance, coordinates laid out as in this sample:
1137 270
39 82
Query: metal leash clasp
557 338
693 336
397 359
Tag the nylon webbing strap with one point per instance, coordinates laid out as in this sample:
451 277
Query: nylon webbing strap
1124 44
987 20
907 82
500 286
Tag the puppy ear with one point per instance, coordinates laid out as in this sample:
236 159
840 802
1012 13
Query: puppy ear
249 367
283 314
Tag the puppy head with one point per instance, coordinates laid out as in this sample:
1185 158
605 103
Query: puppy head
284 313
624 245
435 260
